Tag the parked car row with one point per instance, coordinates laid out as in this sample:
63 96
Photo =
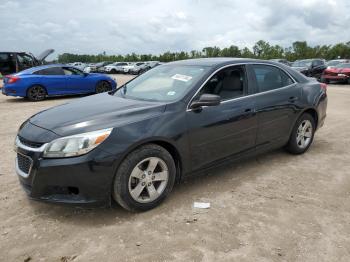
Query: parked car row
334 70
135 68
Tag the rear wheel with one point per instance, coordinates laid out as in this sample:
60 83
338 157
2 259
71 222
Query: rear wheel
103 86
302 135
144 178
36 93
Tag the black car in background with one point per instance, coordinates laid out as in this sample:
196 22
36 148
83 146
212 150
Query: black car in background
175 120
310 67
13 62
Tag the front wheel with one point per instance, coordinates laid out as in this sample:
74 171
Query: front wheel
302 135
103 86
36 93
144 178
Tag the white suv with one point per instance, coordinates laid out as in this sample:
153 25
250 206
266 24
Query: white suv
117 67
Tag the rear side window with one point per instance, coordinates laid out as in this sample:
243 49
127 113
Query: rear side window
270 78
50 71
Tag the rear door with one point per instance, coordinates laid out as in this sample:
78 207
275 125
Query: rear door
53 79
217 132
277 96
77 81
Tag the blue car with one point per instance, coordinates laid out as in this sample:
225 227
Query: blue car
37 83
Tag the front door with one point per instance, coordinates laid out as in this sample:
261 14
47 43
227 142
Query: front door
77 81
221 131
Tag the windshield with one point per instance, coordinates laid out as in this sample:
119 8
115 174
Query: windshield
302 63
163 83
333 63
347 65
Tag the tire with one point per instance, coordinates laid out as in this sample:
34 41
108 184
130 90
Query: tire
36 93
136 187
113 71
302 135
103 86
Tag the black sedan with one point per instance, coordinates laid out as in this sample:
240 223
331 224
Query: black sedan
310 67
178 119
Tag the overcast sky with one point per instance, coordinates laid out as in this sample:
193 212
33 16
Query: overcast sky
155 26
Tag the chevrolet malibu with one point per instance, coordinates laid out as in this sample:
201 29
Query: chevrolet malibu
131 145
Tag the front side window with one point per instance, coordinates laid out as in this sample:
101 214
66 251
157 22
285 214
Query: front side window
228 83
270 78
163 83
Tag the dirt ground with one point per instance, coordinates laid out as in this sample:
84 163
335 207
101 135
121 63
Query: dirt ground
275 207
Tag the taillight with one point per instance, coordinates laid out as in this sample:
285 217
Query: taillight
12 79
324 87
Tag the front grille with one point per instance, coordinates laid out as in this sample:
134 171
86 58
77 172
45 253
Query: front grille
24 163
29 143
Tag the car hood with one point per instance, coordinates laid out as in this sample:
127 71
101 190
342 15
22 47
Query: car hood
94 113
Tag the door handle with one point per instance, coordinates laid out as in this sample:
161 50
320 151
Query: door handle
292 99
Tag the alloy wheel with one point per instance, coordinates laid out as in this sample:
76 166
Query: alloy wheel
304 134
36 93
148 180
103 87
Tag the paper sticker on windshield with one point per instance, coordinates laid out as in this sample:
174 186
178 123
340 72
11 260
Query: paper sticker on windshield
180 77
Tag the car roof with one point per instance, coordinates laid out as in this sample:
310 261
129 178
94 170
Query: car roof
37 68
215 61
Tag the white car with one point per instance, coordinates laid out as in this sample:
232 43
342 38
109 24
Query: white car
139 68
115 68
78 65
128 67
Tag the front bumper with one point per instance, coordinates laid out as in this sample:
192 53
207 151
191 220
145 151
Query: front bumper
82 180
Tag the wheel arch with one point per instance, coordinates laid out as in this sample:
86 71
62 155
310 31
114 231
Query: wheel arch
313 113
166 144
101 80
30 86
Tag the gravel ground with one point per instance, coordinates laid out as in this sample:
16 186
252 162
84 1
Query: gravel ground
275 207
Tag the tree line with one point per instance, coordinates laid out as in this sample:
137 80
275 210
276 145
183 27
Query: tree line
260 50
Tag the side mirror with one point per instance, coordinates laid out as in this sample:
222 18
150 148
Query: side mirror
206 100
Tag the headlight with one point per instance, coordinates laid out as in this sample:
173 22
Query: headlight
342 75
75 145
